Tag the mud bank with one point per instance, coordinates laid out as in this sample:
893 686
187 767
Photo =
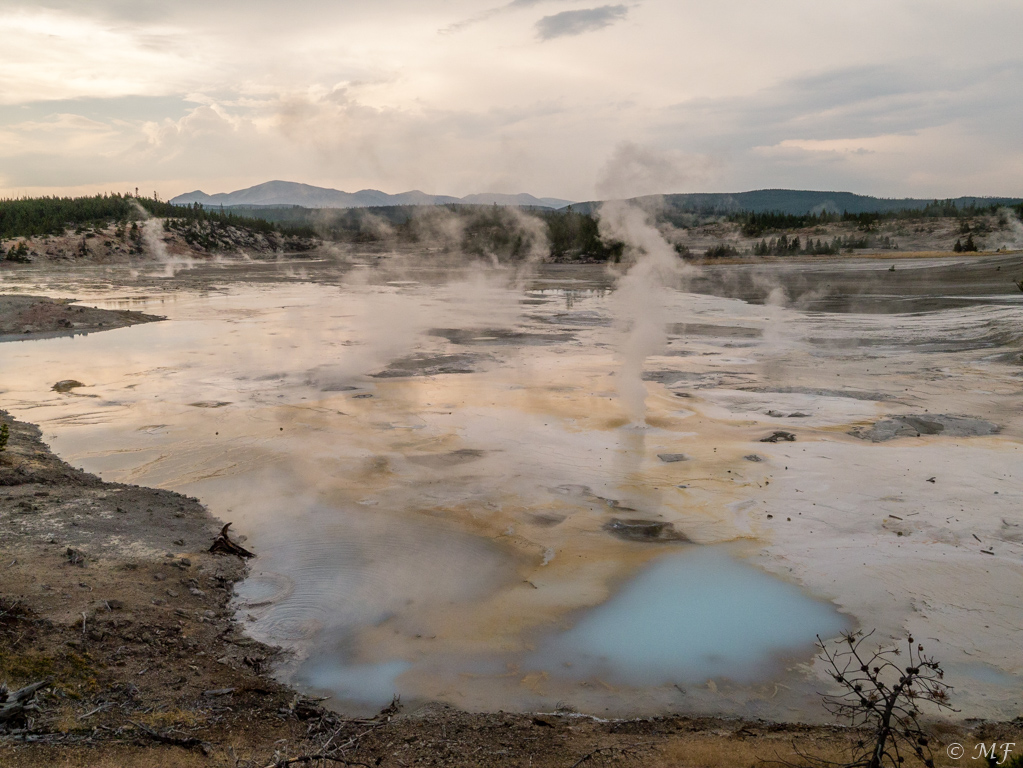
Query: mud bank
39 317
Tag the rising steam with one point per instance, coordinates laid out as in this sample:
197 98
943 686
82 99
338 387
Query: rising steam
1013 238
640 301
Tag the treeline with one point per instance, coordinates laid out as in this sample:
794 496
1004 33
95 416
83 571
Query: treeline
481 230
754 224
32 217
786 246
179 215
575 236
35 216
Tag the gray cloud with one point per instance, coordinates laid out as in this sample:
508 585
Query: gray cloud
854 102
576 22
490 13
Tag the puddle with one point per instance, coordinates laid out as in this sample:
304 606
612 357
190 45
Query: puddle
689 618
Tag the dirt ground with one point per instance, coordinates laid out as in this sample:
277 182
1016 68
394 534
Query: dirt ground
109 594
33 317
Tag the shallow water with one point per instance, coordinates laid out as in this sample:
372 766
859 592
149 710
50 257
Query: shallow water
426 463
688 618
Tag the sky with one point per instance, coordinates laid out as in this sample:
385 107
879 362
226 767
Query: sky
577 99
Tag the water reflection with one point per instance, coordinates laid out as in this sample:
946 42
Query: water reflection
439 530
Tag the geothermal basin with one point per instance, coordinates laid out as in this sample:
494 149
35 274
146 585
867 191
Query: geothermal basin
450 499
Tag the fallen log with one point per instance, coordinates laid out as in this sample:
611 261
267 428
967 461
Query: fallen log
222 544
16 704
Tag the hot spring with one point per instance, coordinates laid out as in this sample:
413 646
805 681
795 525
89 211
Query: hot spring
450 500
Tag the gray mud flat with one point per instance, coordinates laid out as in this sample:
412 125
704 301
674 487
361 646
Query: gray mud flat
926 424
499 337
429 365
821 392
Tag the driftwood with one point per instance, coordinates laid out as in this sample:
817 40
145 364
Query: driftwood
224 545
16 704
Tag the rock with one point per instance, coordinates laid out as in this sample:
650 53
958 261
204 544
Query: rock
671 458
753 457
778 437
66 385
644 530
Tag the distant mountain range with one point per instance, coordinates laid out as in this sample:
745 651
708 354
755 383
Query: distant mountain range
274 193
793 201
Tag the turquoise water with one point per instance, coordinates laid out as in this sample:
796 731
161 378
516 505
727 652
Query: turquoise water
690 617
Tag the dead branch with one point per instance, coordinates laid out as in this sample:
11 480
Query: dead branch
189 742
222 544
624 752
311 758
19 702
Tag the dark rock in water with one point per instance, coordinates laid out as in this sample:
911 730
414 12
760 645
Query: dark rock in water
671 458
714 331
210 404
671 377
451 459
585 318
849 393
753 457
547 521
337 388
499 337
428 365
779 437
644 530
799 415
66 385
363 396
892 427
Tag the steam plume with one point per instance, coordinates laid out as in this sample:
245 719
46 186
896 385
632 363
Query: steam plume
640 301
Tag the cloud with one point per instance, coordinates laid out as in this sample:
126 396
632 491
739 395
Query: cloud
633 170
175 96
853 103
490 13
576 22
